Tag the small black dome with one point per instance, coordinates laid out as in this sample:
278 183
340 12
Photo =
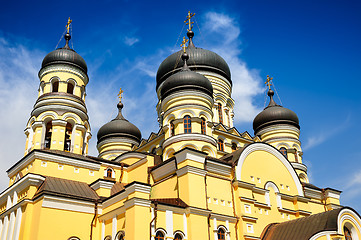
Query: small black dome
119 127
65 55
274 114
200 59
185 79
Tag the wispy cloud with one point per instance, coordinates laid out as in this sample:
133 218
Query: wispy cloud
19 83
223 36
325 134
130 41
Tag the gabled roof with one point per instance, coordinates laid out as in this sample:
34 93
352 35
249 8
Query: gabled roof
66 188
302 228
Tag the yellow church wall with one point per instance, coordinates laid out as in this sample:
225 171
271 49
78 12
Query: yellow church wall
219 192
108 227
137 216
139 173
192 190
261 167
158 189
197 227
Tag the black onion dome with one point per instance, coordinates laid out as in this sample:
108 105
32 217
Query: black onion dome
200 59
274 114
119 127
65 55
185 79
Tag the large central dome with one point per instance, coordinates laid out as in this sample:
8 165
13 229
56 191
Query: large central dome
200 59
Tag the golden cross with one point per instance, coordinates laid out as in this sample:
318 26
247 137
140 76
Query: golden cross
120 94
268 82
183 45
68 24
189 16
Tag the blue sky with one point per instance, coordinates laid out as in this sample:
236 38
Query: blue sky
311 48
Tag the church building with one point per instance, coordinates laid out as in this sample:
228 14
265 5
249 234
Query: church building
197 177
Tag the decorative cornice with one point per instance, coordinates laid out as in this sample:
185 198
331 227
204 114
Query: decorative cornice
219 168
137 202
101 183
189 137
51 158
64 68
191 169
164 170
299 166
190 154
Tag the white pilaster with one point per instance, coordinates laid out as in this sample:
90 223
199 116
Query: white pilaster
19 214
114 226
11 226
169 223
185 226
5 227
228 232
103 230
1 226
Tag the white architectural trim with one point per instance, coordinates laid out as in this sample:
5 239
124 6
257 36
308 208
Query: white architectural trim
137 202
164 170
191 169
265 147
185 226
69 204
137 164
189 137
323 233
101 183
348 214
19 214
114 226
190 154
51 158
218 168
169 223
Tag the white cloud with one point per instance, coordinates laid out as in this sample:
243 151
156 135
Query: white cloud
130 41
325 134
223 35
19 83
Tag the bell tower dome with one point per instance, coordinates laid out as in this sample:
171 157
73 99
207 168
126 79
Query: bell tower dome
59 119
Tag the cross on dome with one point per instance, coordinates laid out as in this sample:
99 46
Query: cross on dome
188 20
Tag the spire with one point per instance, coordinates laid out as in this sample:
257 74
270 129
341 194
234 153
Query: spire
67 35
185 56
270 92
120 106
190 33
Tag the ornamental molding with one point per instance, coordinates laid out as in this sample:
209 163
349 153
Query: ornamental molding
137 202
130 155
219 168
223 218
299 166
189 137
63 68
189 169
29 179
69 204
101 183
278 127
37 155
164 170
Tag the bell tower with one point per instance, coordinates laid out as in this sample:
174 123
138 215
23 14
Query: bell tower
59 119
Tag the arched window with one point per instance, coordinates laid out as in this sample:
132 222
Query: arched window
109 173
70 88
220 113
203 126
283 150
347 233
55 85
171 126
73 238
119 236
108 237
234 147
154 151
159 236
296 155
221 234
48 132
41 88
67 140
187 124
178 236
220 145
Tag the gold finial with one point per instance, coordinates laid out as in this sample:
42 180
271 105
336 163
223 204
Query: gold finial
268 82
183 45
120 94
189 16
68 25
